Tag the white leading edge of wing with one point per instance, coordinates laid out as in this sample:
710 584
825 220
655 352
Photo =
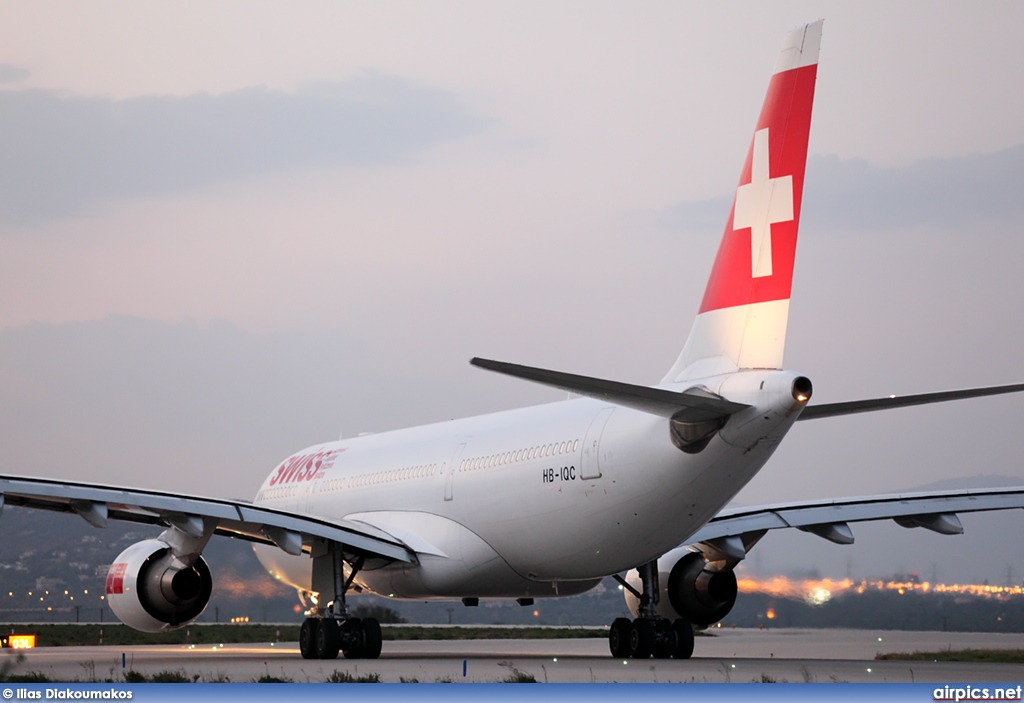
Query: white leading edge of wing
911 509
234 518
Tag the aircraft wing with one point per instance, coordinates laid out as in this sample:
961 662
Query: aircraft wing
294 533
735 530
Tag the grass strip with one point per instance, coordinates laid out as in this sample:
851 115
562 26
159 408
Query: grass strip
994 656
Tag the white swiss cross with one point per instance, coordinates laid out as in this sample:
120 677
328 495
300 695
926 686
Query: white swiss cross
761 203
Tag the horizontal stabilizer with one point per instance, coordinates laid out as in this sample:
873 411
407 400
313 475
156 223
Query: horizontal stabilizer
694 405
864 406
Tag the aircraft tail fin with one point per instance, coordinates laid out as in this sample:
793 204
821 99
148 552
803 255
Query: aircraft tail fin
742 319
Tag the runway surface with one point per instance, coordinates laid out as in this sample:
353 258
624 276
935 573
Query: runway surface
736 655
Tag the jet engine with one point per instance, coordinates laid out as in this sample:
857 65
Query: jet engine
698 593
692 589
151 590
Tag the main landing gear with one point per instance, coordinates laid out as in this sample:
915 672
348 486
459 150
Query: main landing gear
649 634
324 638
329 630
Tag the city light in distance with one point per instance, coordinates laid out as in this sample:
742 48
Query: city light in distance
820 591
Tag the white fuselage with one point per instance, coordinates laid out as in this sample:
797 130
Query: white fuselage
538 501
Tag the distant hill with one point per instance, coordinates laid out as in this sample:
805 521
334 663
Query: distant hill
42 551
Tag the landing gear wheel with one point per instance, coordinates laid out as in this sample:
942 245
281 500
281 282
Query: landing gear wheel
665 639
642 638
307 638
684 639
355 638
618 638
328 639
372 638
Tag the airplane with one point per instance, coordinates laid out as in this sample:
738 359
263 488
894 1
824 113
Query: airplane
549 500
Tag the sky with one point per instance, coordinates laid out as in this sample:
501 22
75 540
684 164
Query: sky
230 231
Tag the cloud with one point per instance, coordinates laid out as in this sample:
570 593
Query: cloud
10 73
64 153
855 195
930 192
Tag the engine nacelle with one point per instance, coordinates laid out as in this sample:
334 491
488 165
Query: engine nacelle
149 590
690 589
699 594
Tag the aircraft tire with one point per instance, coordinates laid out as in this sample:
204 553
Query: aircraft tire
666 639
642 638
355 638
328 639
372 638
618 638
684 639
307 638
